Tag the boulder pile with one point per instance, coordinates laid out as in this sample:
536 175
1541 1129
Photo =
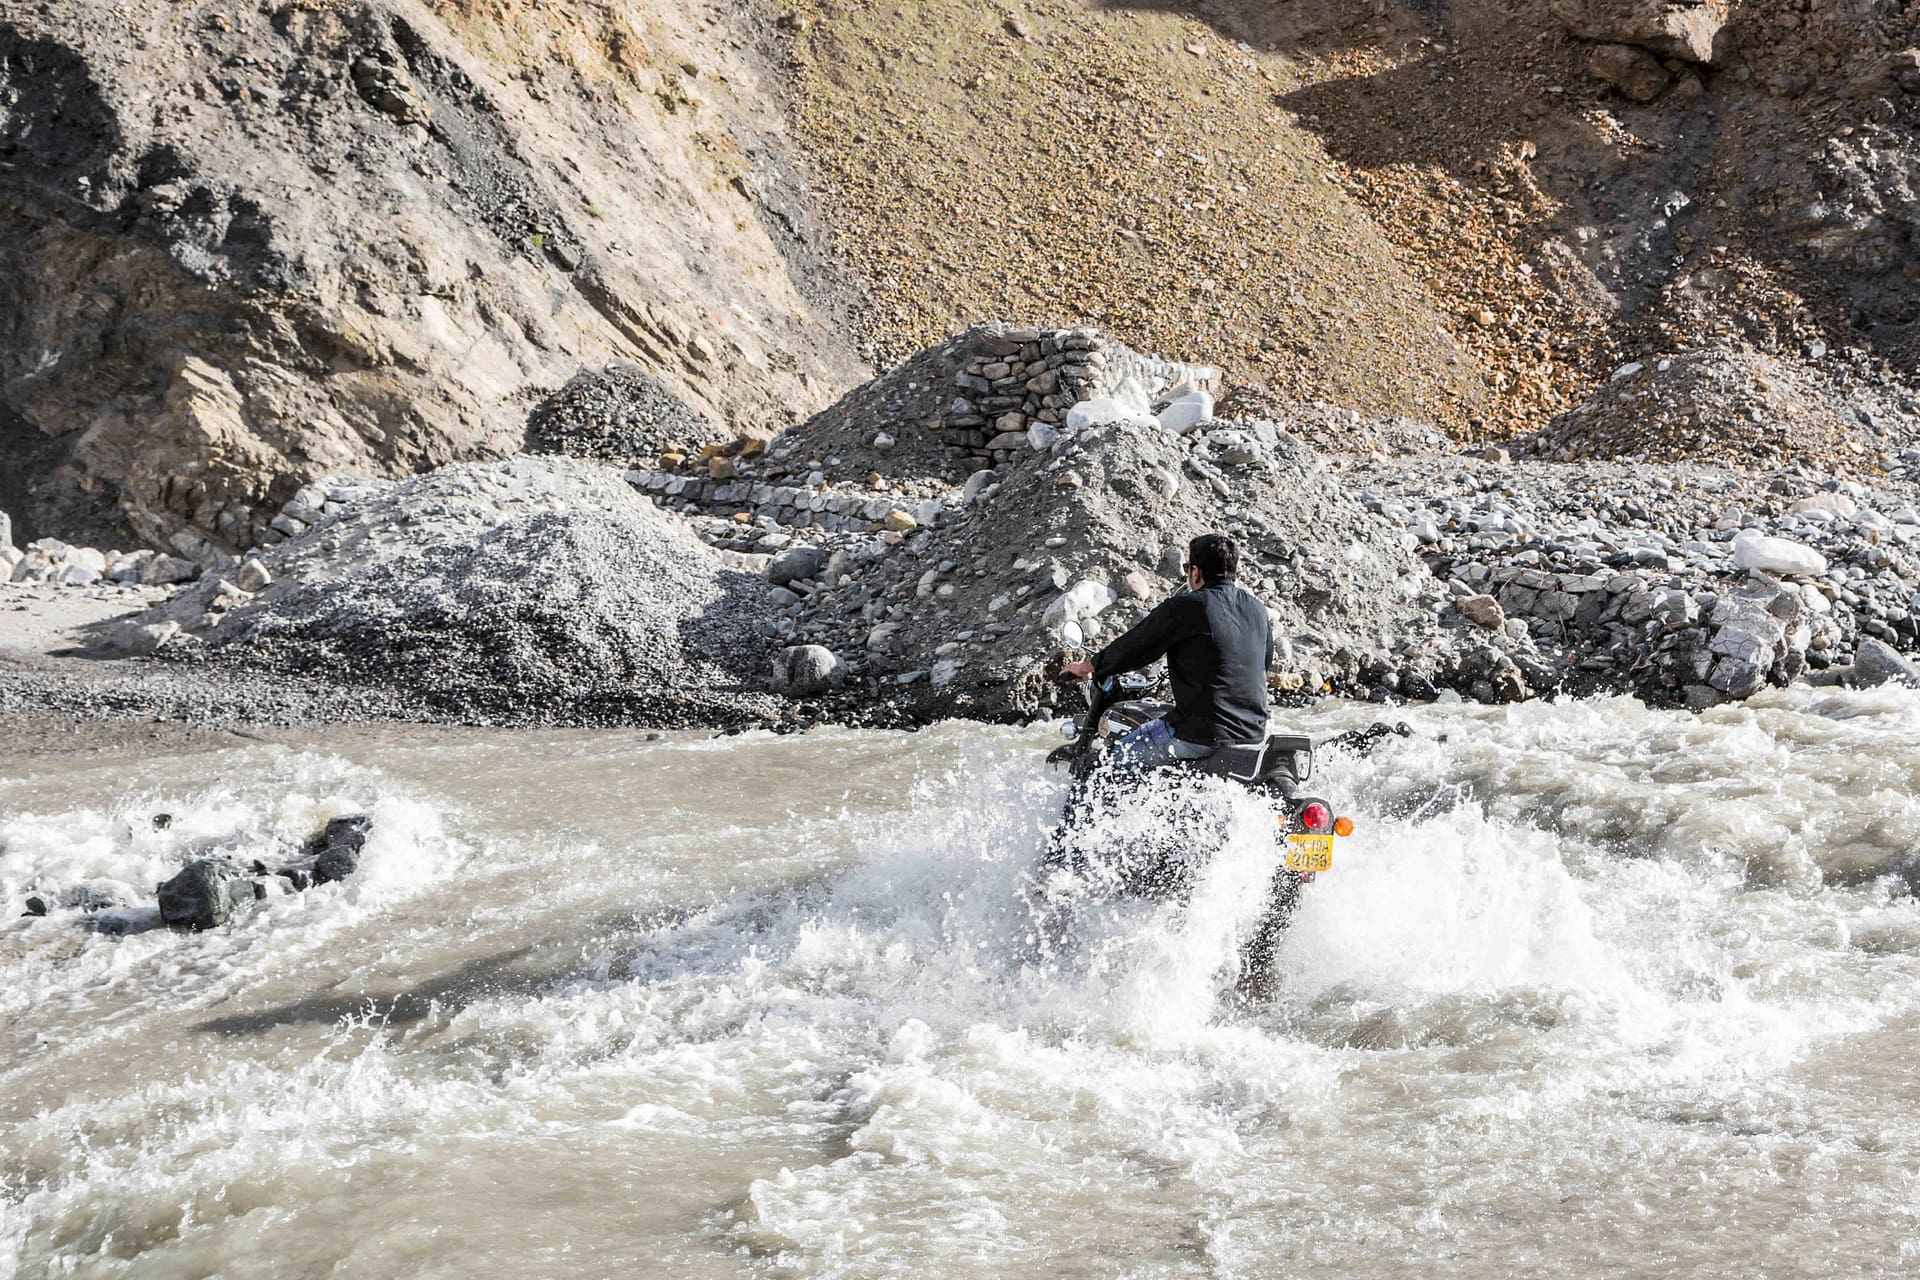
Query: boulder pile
52 562
971 401
882 564
1692 587
960 595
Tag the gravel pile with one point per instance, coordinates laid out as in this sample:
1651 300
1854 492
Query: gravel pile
524 590
960 597
617 413
1723 406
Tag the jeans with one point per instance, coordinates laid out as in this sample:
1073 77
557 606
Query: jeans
1153 745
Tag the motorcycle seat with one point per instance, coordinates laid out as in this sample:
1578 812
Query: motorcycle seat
1282 755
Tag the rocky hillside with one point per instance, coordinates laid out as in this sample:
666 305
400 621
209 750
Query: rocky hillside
244 245
1468 213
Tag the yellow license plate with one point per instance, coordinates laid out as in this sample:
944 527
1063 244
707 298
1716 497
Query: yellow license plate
1309 853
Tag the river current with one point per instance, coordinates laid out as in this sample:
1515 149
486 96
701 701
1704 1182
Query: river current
1592 989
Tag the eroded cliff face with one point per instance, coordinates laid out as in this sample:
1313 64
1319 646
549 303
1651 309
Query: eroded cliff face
241 246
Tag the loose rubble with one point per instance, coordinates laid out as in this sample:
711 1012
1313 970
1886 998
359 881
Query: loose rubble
1690 587
942 539
1734 408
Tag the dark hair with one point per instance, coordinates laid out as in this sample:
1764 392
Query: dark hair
1215 555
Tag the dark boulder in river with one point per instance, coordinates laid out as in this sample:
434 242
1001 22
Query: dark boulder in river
208 892
336 851
205 894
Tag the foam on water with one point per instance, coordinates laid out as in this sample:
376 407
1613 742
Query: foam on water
1582 990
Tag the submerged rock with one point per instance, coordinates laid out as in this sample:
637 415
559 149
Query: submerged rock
336 851
205 894
209 892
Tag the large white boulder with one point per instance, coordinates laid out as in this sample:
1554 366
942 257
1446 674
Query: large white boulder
1084 599
1100 411
1758 553
1187 413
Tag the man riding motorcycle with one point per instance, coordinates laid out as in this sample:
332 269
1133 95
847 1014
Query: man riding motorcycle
1218 645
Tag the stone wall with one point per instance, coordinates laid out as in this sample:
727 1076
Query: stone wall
1014 378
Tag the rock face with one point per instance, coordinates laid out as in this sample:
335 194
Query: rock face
1691 30
239 249
522 588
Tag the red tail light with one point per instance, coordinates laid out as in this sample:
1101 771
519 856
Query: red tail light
1316 817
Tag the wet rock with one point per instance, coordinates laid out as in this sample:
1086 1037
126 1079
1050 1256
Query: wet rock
205 894
1876 662
335 852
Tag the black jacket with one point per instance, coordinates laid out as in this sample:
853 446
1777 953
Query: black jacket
1218 646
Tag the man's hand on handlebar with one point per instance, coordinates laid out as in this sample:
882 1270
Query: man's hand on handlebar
1082 670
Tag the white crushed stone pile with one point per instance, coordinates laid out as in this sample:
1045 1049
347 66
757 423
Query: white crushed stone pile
527 587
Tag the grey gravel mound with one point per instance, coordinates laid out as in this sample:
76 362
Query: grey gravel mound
529 589
950 596
617 413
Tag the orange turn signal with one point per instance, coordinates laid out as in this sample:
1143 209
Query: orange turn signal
1343 826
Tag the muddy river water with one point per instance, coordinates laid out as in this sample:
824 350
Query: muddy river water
1592 990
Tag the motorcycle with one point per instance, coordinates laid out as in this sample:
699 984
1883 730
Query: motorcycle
1278 770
